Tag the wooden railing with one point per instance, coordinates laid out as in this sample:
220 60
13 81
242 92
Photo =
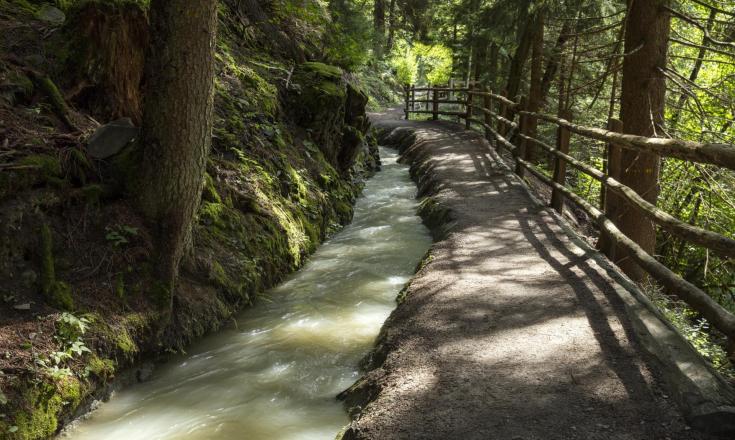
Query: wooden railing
506 123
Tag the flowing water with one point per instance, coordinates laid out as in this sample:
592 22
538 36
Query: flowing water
277 375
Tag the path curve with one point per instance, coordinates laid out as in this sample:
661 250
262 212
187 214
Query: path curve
510 330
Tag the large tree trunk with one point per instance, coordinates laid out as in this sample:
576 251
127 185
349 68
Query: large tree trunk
177 128
642 112
378 27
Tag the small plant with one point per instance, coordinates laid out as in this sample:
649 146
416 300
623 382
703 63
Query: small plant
69 332
120 235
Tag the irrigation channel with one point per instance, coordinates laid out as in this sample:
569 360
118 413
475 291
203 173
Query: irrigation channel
276 376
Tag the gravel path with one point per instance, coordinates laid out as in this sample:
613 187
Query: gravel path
510 331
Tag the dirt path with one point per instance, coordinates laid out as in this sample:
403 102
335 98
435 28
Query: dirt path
511 331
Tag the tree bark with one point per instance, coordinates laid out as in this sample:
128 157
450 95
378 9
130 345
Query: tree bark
519 59
378 27
552 64
177 129
535 95
492 68
642 112
391 26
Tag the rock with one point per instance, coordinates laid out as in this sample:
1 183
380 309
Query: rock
51 14
109 139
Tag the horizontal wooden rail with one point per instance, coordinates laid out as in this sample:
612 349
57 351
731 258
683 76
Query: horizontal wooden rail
440 112
440 101
440 89
507 122
714 154
511 105
720 244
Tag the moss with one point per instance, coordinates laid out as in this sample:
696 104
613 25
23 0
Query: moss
120 286
57 293
322 69
48 165
47 401
210 193
103 369
213 214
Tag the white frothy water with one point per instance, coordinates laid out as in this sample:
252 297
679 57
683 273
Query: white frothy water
277 376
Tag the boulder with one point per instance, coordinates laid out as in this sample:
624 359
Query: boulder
51 14
111 138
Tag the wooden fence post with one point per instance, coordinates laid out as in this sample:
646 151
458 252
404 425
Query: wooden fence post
408 98
468 115
435 104
413 96
612 201
502 111
563 136
487 103
520 151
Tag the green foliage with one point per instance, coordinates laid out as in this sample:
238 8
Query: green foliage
120 235
421 63
348 36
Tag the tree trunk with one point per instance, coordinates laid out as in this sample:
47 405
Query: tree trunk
378 27
535 96
177 129
519 59
492 68
552 65
684 97
391 26
642 112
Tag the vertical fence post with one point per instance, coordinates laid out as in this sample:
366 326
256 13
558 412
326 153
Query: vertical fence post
413 96
563 136
435 104
612 201
468 111
408 98
487 103
520 151
502 111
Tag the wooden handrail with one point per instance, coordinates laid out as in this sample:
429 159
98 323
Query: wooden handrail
710 153
716 154
719 243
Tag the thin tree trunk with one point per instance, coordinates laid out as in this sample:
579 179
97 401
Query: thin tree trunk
391 26
378 27
642 112
535 96
684 97
519 59
177 129
492 68
552 65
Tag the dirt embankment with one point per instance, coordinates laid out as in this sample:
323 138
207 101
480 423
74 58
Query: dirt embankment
78 304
